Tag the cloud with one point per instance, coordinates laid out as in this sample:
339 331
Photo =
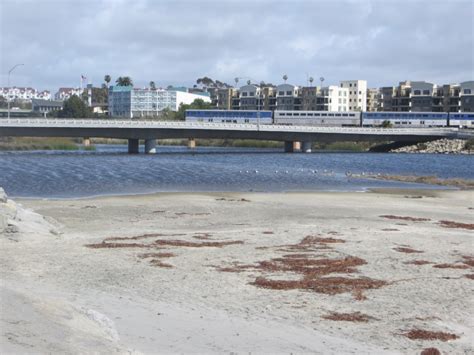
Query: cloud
175 42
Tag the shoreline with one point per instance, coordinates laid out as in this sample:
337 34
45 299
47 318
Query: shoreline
394 190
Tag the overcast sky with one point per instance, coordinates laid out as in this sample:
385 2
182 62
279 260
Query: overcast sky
175 42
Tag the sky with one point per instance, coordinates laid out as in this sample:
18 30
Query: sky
176 42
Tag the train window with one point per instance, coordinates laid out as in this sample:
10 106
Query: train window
324 114
330 114
296 114
425 115
337 115
351 115
397 122
310 114
345 115
303 114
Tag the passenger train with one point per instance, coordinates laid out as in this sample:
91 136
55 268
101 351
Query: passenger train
335 119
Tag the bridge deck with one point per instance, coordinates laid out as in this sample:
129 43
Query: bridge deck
146 129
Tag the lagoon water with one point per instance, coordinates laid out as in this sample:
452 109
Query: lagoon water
111 171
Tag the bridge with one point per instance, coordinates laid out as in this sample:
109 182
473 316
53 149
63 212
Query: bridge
150 131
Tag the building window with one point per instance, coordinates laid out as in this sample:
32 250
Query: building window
289 93
350 85
417 92
467 91
426 92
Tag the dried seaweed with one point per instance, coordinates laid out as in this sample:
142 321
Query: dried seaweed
418 262
420 334
407 250
430 351
348 317
451 266
452 224
406 218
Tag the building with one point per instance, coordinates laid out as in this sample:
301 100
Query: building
422 96
66 93
126 101
24 93
288 97
357 100
45 106
466 96
373 100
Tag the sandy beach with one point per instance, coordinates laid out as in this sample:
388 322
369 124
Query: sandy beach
330 273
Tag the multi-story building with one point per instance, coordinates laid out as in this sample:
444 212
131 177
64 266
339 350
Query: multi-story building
45 106
225 97
257 97
288 97
373 100
25 94
421 96
357 100
126 101
66 93
329 98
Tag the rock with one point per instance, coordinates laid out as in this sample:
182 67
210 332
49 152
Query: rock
442 146
3 196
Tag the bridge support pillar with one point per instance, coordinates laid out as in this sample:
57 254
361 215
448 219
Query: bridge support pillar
133 145
86 142
288 147
150 146
191 143
307 147
296 146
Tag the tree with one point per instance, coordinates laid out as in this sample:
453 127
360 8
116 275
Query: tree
152 85
197 104
285 77
99 95
107 79
387 124
124 81
74 107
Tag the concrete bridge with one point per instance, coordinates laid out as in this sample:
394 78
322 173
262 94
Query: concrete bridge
295 137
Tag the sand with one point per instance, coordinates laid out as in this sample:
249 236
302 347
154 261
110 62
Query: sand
64 290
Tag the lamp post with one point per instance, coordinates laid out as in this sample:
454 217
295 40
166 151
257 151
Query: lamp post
9 72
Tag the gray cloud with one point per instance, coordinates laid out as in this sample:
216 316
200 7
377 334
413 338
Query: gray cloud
174 42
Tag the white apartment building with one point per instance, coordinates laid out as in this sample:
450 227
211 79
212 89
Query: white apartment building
357 94
66 93
22 93
335 98
126 101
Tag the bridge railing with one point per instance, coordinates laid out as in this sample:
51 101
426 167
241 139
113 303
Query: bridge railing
124 123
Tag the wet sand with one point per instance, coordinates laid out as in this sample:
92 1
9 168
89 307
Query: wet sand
275 273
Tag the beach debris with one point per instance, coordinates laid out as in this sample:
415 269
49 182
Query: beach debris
348 317
267 232
418 262
156 255
406 218
233 199
159 263
452 224
420 334
144 236
451 266
468 260
430 351
192 214
407 250
391 230
469 276
314 272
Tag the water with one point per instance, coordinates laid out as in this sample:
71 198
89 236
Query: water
110 171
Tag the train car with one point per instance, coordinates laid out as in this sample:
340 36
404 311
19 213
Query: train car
229 116
317 118
405 119
462 119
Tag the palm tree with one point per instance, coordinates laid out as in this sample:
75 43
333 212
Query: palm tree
285 77
152 85
107 79
311 79
124 81
248 82
236 81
